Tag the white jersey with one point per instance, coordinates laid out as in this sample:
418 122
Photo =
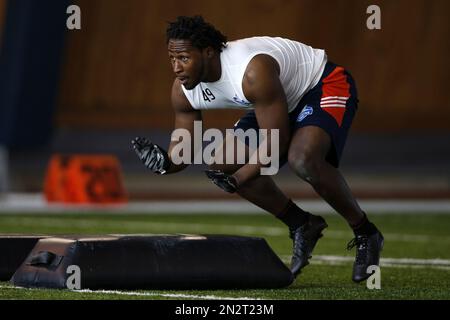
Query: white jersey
301 67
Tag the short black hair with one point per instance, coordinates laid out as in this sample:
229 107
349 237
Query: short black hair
200 33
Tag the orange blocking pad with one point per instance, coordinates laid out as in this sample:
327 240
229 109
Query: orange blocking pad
84 179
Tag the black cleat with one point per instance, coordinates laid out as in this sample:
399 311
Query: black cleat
368 250
305 238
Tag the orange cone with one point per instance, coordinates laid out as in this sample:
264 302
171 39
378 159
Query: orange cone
84 179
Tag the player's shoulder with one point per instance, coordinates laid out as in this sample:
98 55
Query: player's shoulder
260 66
241 47
260 77
250 40
257 41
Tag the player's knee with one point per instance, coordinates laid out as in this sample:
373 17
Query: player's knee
305 165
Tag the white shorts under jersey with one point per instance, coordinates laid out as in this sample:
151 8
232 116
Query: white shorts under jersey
301 67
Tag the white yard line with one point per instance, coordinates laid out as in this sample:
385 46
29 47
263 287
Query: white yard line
35 203
145 294
442 264
418 238
167 295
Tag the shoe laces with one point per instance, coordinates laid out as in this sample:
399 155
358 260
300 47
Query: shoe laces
361 244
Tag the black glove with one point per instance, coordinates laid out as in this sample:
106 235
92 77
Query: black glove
223 180
153 156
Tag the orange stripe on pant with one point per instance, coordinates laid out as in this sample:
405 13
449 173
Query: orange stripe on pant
336 85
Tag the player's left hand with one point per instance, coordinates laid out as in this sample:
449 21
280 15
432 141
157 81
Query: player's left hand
224 181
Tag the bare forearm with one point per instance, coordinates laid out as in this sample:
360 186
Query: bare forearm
247 173
174 168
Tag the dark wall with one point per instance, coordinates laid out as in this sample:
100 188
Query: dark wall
117 75
30 55
2 17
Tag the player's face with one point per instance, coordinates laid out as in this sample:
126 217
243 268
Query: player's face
188 62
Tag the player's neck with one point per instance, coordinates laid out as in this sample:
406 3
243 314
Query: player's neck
215 70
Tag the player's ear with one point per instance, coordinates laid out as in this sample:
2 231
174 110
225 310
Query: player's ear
209 52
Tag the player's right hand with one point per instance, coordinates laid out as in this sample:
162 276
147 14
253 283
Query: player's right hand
152 156
224 181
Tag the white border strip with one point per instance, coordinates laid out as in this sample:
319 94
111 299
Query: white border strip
334 98
324 106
